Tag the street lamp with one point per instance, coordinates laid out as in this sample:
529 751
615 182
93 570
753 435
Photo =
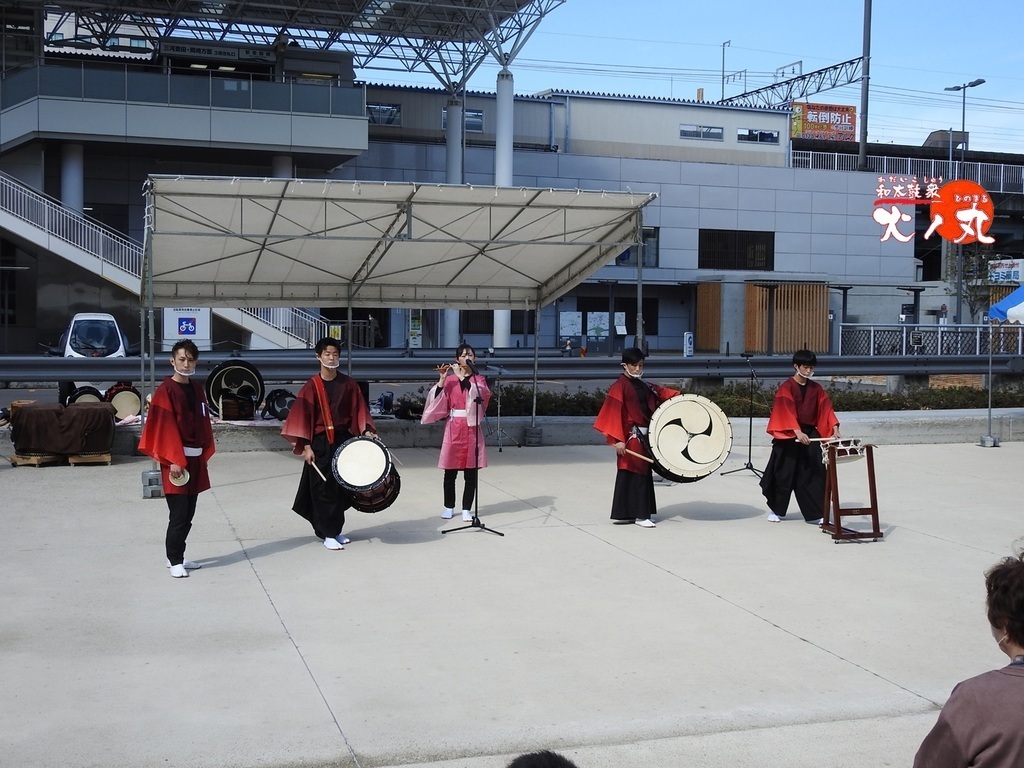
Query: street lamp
963 111
963 149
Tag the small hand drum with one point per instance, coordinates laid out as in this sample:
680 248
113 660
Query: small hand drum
180 480
846 449
363 467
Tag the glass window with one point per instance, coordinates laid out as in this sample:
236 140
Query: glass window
705 132
626 305
477 321
754 136
651 238
384 114
736 249
472 119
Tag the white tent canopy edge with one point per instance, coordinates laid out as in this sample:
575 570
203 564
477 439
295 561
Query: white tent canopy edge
222 241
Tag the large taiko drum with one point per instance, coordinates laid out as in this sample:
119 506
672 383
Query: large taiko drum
690 437
125 398
84 394
363 467
234 387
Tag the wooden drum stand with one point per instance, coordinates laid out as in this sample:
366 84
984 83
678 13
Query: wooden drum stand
834 512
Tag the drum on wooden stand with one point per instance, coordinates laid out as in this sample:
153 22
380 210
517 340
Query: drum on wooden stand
844 448
690 437
363 467
125 398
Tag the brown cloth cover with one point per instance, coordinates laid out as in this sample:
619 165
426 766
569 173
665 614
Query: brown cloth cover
54 428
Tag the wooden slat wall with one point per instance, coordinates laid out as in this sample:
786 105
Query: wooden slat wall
801 317
708 335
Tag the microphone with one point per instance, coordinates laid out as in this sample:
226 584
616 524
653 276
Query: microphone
472 368
746 355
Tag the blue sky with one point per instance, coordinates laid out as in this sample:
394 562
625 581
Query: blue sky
673 47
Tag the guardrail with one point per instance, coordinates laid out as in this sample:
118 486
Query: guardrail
294 367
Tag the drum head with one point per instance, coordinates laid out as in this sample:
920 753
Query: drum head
360 464
690 438
85 395
125 398
233 378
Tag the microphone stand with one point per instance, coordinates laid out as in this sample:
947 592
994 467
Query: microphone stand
750 422
502 434
478 405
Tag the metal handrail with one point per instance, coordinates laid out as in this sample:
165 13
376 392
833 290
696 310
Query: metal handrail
994 177
92 237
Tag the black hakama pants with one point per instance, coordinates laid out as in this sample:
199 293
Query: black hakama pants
633 498
795 470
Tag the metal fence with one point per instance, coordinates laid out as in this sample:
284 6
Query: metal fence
994 177
887 340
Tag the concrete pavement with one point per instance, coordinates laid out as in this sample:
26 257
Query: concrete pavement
716 639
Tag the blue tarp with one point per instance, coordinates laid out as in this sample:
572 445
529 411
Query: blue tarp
998 310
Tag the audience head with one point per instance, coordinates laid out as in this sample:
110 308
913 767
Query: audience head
543 759
1004 586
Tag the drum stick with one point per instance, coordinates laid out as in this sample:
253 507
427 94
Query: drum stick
314 466
639 455
825 439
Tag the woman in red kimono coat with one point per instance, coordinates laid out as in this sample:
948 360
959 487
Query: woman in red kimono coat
623 419
802 410
461 395
178 435
328 410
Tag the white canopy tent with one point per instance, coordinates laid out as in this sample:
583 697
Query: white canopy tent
276 242
288 242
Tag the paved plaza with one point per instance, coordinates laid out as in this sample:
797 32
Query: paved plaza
715 640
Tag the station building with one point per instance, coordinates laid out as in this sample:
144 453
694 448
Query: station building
757 242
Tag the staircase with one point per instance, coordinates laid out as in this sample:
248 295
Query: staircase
43 221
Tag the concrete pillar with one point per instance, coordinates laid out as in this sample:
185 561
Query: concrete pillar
503 136
453 175
450 329
281 167
72 177
453 141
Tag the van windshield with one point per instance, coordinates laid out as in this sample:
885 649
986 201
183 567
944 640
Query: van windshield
95 338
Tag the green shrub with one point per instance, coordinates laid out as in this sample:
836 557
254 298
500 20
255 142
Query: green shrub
735 400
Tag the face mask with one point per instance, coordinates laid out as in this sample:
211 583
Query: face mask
186 374
808 375
331 365
638 375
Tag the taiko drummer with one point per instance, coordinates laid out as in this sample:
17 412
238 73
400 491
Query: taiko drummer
801 414
177 434
328 410
624 419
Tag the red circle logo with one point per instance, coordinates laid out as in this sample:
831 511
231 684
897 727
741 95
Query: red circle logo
962 213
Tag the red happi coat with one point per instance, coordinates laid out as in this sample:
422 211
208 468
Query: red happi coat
783 421
170 426
622 410
349 413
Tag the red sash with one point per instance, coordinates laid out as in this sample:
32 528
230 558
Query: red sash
321 398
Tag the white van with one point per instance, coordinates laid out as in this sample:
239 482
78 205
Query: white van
89 334
93 334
